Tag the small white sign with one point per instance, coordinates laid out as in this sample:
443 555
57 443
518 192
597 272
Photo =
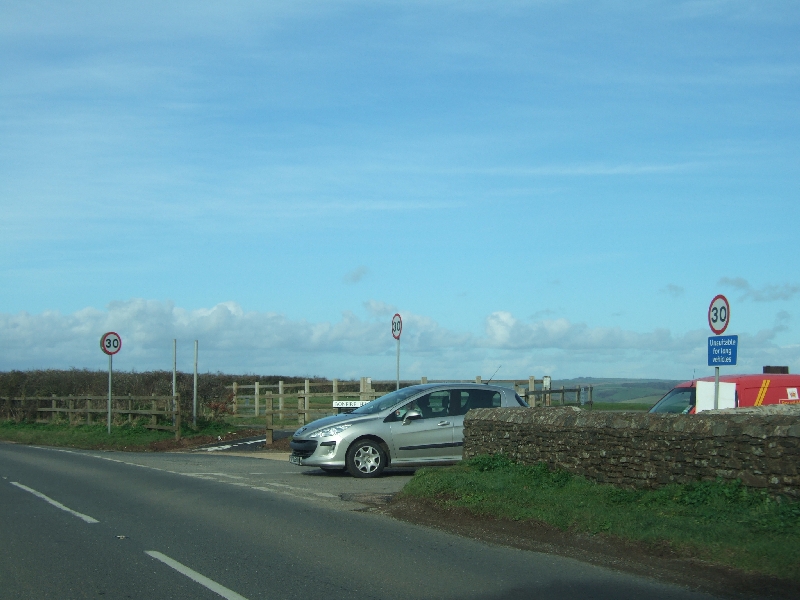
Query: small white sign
348 403
791 394
705 395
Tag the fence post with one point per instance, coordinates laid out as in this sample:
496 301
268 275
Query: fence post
235 391
130 408
301 417
270 418
531 388
546 382
256 398
71 409
176 402
335 390
53 414
154 408
88 414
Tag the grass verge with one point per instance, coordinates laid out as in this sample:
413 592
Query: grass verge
723 523
96 437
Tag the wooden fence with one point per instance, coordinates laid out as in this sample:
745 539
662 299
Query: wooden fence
316 399
163 411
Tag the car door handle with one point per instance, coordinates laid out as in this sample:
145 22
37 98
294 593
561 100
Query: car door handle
443 423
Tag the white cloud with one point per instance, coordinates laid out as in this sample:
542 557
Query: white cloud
379 309
768 293
237 341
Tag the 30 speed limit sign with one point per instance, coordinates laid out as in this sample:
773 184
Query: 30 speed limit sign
397 326
719 314
110 343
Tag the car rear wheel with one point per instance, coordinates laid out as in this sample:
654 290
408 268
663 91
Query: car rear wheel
366 458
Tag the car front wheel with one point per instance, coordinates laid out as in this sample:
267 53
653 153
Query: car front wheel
366 458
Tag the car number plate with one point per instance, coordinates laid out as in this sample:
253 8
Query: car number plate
295 460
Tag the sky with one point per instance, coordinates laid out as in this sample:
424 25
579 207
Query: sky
547 188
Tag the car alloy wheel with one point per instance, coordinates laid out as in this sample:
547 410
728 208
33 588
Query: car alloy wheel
366 459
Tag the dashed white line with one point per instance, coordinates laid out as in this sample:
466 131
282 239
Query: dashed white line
195 576
55 503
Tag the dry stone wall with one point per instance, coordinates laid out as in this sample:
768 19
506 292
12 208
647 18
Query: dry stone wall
646 450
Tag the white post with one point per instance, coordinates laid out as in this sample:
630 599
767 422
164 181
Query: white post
174 375
398 363
194 401
256 397
716 388
280 400
109 394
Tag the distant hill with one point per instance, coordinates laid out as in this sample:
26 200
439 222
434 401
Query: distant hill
634 391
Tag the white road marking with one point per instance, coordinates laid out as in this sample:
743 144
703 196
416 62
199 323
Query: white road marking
215 474
289 490
86 518
195 576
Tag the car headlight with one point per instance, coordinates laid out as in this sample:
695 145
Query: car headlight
330 431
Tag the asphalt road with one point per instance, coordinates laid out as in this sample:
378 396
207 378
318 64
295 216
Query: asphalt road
81 524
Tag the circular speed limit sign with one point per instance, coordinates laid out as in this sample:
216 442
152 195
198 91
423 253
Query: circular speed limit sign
111 343
719 314
397 326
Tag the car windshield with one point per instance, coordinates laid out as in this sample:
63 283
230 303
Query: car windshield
678 400
385 402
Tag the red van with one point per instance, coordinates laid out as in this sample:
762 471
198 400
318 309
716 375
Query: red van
736 391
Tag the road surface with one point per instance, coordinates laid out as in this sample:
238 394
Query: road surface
82 524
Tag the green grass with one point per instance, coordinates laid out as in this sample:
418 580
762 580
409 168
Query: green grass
95 436
724 523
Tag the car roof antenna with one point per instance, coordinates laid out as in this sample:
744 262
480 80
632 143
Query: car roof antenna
493 374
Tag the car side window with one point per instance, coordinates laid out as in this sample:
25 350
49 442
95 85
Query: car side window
435 404
459 402
477 399
400 413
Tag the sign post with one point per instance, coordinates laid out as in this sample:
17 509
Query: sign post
397 329
110 343
721 348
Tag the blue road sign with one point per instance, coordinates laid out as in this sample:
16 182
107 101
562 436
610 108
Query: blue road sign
722 350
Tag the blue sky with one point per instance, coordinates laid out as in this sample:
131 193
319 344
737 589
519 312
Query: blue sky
556 187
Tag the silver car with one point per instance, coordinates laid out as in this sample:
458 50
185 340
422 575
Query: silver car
413 426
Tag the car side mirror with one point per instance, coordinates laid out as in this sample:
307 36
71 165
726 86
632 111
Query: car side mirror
412 415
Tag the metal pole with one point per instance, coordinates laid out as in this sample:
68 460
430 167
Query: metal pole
174 375
398 363
716 388
194 404
109 393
